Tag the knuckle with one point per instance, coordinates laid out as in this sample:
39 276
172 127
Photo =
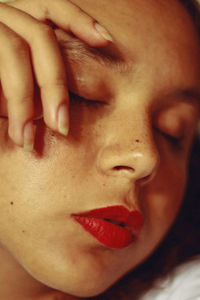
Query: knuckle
22 98
58 82
19 45
44 30
25 98
11 40
45 5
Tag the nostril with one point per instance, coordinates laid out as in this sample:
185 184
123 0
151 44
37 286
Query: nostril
124 168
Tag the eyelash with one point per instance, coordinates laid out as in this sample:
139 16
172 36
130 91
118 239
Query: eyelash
88 102
176 142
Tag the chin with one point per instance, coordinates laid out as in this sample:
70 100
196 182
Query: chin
92 289
80 278
80 285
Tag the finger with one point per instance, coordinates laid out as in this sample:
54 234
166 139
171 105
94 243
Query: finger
50 74
48 65
69 17
17 86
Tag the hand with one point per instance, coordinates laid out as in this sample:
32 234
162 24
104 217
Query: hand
29 54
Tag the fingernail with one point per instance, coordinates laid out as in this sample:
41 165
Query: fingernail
103 32
63 119
29 136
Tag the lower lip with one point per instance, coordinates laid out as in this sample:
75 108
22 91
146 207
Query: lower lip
108 234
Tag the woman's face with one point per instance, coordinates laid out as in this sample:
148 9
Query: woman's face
128 146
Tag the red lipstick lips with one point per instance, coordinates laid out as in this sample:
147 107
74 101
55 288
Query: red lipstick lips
113 226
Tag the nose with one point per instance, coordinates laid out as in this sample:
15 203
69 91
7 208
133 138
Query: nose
135 160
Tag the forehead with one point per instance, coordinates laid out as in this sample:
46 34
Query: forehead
156 19
150 32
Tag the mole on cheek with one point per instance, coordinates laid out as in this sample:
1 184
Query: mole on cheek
11 203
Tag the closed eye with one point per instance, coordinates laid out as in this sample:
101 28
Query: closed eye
175 141
88 102
172 139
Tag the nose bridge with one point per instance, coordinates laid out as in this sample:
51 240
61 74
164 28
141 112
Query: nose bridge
129 149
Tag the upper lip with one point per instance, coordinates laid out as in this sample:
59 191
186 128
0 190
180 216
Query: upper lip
117 214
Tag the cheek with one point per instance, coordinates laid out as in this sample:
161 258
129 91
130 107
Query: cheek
163 197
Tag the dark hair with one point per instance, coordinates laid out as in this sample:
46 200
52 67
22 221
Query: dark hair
177 246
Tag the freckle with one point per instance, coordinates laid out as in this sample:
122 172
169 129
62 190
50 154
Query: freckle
23 231
137 141
11 203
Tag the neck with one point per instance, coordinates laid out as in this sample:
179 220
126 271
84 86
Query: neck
14 280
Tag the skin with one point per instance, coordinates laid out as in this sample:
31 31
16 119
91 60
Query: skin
41 247
30 54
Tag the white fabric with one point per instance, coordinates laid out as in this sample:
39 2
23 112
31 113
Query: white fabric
182 284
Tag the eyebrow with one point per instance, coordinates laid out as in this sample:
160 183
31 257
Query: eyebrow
108 56
113 58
